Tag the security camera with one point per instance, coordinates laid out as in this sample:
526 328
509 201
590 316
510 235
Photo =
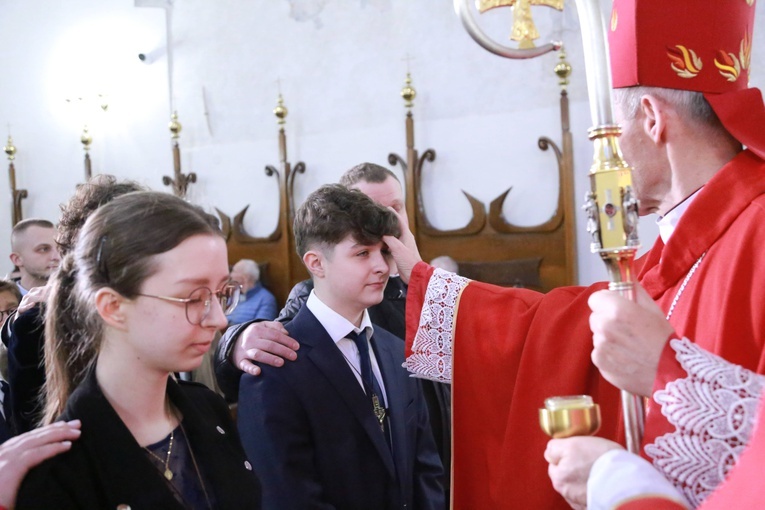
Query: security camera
148 57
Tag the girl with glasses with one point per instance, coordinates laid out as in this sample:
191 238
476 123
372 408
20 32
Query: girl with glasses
10 297
141 296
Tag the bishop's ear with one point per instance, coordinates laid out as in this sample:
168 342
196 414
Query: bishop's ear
654 117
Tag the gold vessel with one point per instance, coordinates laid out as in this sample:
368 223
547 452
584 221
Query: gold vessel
570 416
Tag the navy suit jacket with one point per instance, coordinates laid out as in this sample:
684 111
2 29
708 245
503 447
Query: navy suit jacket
309 430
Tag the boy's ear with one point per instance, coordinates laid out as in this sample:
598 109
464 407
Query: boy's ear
314 261
110 305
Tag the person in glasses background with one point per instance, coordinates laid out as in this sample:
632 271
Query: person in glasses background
10 296
140 297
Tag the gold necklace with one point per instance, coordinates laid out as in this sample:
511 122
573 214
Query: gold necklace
168 474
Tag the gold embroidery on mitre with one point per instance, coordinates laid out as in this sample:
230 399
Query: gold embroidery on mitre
614 20
745 52
685 62
728 65
750 2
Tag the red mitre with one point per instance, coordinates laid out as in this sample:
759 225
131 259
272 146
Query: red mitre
692 45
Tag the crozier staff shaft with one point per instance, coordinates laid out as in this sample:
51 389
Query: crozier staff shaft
611 205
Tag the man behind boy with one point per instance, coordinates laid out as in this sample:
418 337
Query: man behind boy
343 426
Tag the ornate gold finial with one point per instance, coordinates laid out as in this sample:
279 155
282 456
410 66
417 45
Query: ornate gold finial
10 149
408 92
86 139
524 30
280 110
175 126
562 69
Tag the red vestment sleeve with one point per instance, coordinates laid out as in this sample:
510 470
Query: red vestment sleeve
512 349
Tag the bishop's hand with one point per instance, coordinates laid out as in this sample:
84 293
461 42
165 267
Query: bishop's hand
628 339
404 249
571 460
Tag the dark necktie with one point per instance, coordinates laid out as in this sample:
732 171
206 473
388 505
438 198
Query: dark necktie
371 386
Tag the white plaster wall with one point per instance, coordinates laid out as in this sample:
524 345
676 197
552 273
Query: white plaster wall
340 64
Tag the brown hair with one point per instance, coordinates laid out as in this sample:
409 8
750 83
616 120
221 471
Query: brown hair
332 212
115 249
9 286
366 172
98 191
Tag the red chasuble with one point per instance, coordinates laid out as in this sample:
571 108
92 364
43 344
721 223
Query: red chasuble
506 349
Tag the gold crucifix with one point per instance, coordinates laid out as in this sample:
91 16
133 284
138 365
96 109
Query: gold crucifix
379 411
524 30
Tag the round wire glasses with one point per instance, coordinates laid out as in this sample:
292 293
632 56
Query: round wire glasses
199 302
4 314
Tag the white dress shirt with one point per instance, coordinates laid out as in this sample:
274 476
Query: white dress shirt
338 328
668 222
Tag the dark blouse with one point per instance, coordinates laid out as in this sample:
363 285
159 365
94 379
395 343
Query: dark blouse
190 485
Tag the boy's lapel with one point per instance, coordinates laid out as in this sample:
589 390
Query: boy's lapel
329 360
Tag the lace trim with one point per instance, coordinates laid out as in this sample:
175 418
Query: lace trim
431 356
713 411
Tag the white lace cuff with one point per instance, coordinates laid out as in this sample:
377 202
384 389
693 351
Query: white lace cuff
713 410
431 356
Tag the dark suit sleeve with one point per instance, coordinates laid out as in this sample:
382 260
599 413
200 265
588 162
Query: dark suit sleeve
295 301
227 374
428 472
276 435
26 375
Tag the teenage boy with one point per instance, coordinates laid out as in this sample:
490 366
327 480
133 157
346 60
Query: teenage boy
343 426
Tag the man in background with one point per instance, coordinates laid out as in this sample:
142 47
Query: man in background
34 252
256 301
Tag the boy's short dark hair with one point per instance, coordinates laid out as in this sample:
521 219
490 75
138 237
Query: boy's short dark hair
333 211
366 172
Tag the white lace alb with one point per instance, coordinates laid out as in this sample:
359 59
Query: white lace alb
713 410
431 356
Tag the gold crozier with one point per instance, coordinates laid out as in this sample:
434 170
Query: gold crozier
524 30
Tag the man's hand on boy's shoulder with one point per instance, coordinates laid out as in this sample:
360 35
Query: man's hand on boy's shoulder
263 342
